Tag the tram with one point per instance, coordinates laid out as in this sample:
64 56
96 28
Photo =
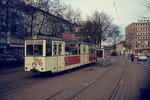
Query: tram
49 54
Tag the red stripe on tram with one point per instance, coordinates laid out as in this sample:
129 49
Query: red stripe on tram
71 60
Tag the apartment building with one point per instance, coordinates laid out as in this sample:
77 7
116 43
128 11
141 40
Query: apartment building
138 37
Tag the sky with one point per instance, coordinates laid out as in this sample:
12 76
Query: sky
128 11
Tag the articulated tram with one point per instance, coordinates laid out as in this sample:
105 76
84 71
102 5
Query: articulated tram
49 54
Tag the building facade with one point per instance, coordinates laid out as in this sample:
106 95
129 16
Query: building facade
138 37
28 21
120 47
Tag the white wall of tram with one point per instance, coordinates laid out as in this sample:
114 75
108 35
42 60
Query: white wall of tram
56 62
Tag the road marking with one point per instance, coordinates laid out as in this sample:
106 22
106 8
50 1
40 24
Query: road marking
85 84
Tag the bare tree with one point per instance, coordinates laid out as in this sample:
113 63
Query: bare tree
147 5
36 16
3 4
97 28
72 15
64 11
9 18
115 36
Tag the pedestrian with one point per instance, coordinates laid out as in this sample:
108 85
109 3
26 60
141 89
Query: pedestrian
132 57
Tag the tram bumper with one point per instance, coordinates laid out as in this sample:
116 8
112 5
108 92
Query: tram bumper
34 70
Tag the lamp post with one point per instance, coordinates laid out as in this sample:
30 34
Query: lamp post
137 52
123 51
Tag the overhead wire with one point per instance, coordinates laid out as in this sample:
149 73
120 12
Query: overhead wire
115 6
119 21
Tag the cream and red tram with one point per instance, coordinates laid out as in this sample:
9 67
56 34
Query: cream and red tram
47 54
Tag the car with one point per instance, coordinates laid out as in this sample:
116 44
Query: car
148 55
135 55
142 57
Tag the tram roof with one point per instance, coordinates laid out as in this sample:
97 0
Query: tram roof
56 39
50 38
44 38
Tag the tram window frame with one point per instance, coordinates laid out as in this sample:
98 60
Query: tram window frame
67 49
84 49
93 51
71 49
90 50
39 50
99 53
79 49
33 49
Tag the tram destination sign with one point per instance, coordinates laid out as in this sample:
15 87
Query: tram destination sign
34 42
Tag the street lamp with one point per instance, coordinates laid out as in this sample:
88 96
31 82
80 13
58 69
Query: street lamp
124 51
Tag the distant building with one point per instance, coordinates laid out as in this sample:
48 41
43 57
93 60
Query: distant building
79 29
120 47
79 26
138 36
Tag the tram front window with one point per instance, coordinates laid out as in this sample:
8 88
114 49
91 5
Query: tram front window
34 50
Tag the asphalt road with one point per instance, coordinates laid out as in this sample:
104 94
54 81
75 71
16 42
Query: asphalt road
147 63
122 80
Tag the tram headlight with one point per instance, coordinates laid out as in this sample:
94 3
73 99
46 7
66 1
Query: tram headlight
34 64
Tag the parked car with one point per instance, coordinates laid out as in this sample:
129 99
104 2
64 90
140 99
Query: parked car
142 57
148 55
113 54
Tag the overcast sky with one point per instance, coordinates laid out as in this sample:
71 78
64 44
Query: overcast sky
128 11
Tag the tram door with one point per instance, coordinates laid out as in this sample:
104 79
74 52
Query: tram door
57 53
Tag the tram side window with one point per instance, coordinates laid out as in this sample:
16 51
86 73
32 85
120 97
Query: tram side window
48 50
54 49
67 49
60 49
71 49
93 50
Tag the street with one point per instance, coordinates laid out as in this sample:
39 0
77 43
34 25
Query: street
122 80
147 63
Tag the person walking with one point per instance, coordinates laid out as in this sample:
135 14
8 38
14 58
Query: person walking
132 57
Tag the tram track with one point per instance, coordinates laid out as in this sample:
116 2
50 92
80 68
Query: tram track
10 86
20 83
24 83
85 87
115 93
147 68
